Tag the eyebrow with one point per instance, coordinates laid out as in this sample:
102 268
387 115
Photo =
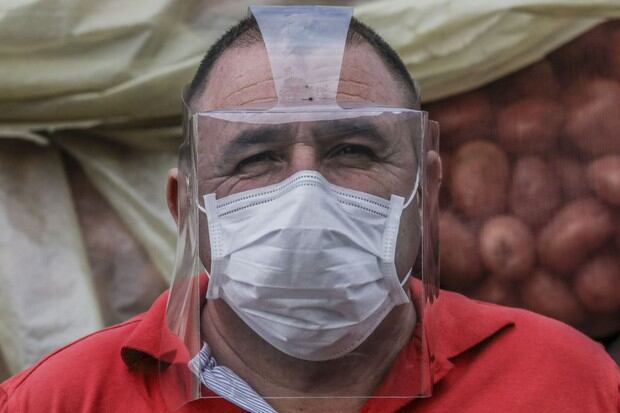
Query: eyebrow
254 136
349 127
322 133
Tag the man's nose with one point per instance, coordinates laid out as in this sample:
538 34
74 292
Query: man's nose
303 156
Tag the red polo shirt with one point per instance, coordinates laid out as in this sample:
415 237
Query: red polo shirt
486 358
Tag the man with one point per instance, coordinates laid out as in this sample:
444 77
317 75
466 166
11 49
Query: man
483 358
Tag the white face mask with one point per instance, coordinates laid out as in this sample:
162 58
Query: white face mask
309 266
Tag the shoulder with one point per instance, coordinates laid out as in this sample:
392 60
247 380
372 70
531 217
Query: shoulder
536 357
553 343
71 376
523 328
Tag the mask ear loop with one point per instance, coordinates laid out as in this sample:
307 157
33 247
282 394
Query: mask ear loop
201 208
415 190
406 278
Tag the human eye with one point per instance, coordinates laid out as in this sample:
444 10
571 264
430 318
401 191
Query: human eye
257 163
353 151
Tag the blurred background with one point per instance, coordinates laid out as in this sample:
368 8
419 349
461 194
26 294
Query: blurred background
527 93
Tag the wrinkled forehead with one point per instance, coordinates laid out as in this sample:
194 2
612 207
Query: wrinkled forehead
242 76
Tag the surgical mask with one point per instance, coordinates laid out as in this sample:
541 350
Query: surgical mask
309 266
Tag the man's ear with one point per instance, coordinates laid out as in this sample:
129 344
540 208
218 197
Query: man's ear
172 192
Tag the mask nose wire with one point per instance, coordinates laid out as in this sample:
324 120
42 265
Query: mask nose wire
415 189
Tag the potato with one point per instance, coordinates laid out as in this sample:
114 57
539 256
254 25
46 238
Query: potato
614 350
479 179
597 284
571 176
586 55
604 177
601 325
507 247
493 291
538 79
534 191
444 194
546 294
530 126
580 227
458 253
446 167
463 118
613 53
592 118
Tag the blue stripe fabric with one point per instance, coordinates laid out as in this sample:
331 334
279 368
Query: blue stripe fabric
225 383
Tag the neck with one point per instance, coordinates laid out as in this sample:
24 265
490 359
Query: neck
273 373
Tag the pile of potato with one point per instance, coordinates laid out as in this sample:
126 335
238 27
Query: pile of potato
530 203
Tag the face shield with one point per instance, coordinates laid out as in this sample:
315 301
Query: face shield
307 218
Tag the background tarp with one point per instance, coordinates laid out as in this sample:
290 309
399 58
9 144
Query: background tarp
100 81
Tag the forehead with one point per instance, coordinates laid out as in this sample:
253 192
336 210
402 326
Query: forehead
242 76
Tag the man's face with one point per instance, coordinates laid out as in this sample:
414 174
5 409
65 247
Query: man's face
370 154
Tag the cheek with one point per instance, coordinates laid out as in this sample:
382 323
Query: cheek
375 181
204 245
409 239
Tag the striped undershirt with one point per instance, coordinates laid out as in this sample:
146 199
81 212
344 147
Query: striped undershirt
225 383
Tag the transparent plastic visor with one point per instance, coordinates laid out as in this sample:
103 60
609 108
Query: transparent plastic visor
367 166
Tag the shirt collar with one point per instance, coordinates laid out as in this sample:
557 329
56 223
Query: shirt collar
456 325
